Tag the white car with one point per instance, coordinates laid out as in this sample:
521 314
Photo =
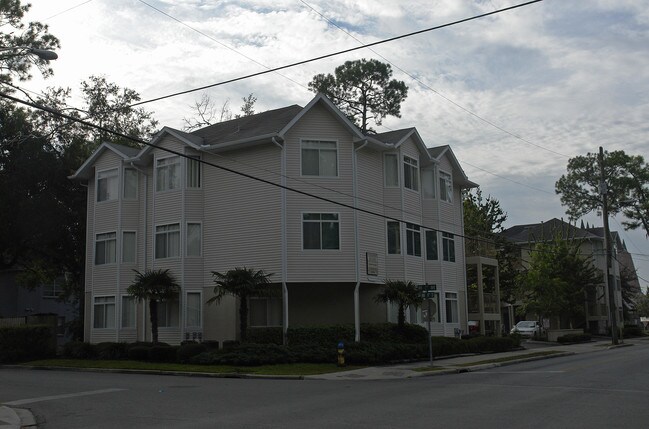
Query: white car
527 328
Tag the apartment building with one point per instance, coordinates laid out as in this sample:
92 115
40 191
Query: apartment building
298 192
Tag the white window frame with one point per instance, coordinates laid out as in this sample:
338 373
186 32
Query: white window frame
305 140
106 305
432 233
167 254
452 299
51 289
200 310
166 309
109 173
428 177
448 247
200 240
176 184
191 159
124 181
269 303
105 240
123 247
445 187
410 163
320 221
387 238
395 157
123 312
413 231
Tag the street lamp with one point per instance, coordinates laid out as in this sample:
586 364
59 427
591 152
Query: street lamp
43 54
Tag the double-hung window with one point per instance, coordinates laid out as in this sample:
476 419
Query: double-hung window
428 183
105 248
51 289
319 158
107 185
452 313
129 246
320 231
130 184
394 238
167 241
431 245
445 187
448 247
194 239
193 313
168 173
265 311
168 313
391 170
193 172
104 312
410 173
413 239
128 311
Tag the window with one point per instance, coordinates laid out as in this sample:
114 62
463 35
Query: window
130 183
319 158
105 245
194 239
410 173
428 183
194 172
413 240
394 238
128 312
445 187
431 245
193 314
104 309
434 309
265 312
320 231
129 246
167 241
452 315
51 289
391 170
448 247
107 185
168 173
168 312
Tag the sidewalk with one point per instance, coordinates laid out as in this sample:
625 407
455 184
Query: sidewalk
16 418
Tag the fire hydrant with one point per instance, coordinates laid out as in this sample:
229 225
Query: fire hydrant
341 354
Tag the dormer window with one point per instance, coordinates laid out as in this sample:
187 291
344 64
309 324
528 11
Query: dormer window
168 173
107 185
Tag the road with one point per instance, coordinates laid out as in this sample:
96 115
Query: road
605 389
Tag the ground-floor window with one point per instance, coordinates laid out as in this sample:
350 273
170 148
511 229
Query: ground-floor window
104 312
168 313
193 314
452 314
265 312
128 312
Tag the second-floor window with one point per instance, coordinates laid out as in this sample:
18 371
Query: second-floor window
394 238
428 183
410 173
129 246
413 240
193 172
167 173
445 187
319 158
431 245
320 231
448 247
194 239
167 241
107 185
105 248
130 183
391 170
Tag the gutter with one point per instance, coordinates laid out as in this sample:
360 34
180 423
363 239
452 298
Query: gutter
227 145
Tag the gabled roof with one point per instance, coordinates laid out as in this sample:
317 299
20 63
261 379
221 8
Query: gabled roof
439 151
395 137
187 138
125 152
544 231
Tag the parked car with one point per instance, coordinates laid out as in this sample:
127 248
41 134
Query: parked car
527 328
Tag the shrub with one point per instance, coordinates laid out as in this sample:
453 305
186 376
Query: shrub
273 335
390 332
112 351
632 331
162 353
490 344
26 342
229 344
187 351
324 335
211 344
573 338
139 352
79 350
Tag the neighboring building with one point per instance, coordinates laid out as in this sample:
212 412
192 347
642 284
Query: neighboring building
591 245
152 209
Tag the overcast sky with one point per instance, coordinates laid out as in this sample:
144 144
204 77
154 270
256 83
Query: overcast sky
557 78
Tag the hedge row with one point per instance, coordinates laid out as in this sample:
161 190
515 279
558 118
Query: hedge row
141 351
632 331
574 338
26 342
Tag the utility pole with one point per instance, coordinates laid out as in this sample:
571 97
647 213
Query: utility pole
607 245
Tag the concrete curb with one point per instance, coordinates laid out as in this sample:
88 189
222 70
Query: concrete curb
16 418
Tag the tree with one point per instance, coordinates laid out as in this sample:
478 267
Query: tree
15 33
627 187
362 89
247 108
401 293
642 304
558 281
154 286
207 113
241 283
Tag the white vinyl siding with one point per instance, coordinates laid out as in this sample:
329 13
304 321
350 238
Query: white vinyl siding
319 158
445 187
167 241
410 173
107 185
428 183
194 239
193 172
265 312
129 247
394 238
193 313
413 240
320 231
130 184
391 170
105 248
452 314
104 312
167 173
128 312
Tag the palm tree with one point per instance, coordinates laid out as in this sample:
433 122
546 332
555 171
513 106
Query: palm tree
156 286
401 293
241 283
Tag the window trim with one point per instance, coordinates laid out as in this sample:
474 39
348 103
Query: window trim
449 198
200 310
432 232
268 300
94 305
398 172
97 173
200 245
416 176
302 140
320 222
387 238
447 300
137 184
448 252
155 171
179 313
423 193
414 229
121 312
155 240
197 159
94 250
128 231
55 286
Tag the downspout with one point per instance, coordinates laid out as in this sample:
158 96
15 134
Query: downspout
145 205
283 240
440 299
183 247
357 314
118 254
480 282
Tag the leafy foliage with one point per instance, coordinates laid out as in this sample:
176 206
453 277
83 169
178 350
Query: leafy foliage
363 90
401 293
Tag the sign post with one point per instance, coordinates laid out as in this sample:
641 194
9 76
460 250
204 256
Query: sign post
428 293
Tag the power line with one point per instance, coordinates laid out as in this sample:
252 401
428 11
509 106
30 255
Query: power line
470 112
66 10
391 39
508 179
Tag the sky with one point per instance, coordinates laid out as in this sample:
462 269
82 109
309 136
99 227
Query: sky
514 94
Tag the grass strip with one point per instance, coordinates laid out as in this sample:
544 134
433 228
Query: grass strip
280 369
509 358
429 368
